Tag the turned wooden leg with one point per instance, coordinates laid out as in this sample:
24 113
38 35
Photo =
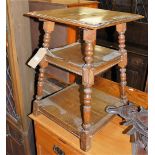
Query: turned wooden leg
48 28
87 81
121 28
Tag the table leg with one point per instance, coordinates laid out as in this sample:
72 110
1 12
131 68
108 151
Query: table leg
121 28
87 81
48 28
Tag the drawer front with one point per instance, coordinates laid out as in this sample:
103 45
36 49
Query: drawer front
41 150
51 144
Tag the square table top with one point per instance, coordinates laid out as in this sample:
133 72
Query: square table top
89 18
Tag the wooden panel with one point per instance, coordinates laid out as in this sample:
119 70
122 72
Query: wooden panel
20 54
137 33
53 141
19 51
14 140
10 97
136 61
17 148
90 18
8 145
12 59
137 66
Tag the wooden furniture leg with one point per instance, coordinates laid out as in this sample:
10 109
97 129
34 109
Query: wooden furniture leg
87 81
121 28
48 28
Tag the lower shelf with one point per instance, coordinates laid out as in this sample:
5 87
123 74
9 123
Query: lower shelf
65 108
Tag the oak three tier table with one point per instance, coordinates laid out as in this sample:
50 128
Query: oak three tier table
80 109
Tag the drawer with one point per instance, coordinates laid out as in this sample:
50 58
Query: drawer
52 144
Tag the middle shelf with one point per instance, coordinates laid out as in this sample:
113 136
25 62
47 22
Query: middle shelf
65 108
71 58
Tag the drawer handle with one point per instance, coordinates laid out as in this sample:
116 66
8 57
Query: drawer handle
58 151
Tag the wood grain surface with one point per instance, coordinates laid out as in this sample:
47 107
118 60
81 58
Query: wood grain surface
90 18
